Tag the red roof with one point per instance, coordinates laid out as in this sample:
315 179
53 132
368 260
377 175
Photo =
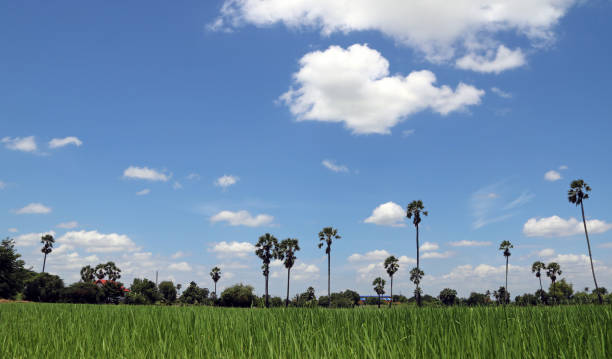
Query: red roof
103 282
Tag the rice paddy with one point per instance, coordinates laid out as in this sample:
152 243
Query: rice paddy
31 330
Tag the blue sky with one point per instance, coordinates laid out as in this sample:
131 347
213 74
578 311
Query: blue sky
185 132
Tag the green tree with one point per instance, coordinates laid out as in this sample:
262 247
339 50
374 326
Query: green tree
553 270
379 287
215 274
43 287
12 271
327 236
506 246
107 270
414 211
88 274
537 267
167 291
194 294
147 289
267 251
561 291
392 266
448 296
238 295
415 277
47 240
286 253
578 192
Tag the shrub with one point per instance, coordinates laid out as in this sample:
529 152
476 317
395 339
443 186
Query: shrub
194 295
448 296
82 293
143 291
44 287
238 295
167 291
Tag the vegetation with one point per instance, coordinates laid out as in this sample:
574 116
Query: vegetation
391 266
215 274
506 246
86 331
327 236
47 240
286 253
379 287
266 251
414 211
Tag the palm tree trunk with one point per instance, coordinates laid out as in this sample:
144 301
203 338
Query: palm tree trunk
418 293
328 280
215 289
379 301
391 301
266 291
586 233
541 290
506 287
44 262
288 274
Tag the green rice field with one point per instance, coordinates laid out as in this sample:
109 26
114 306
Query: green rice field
29 330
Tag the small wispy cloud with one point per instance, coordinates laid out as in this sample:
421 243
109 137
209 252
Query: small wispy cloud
332 166
501 93
61 142
144 192
226 181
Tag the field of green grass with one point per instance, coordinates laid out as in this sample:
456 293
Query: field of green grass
29 330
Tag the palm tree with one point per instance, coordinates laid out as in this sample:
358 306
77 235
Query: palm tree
415 277
379 287
47 240
553 269
87 274
286 252
267 250
505 246
215 274
577 193
326 236
537 267
392 266
414 211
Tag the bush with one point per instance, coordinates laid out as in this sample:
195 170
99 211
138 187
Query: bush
478 299
448 296
344 299
167 291
82 293
526 299
44 287
194 295
143 291
112 292
238 295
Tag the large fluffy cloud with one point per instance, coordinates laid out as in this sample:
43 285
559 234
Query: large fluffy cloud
556 226
96 242
242 218
438 28
31 239
387 214
353 86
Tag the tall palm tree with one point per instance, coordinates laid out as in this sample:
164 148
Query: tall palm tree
578 192
391 265
414 211
47 240
553 269
537 267
215 274
327 236
286 253
379 287
266 251
415 277
505 246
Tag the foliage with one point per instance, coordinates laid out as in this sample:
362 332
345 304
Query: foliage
561 291
327 236
238 295
82 293
502 295
478 299
167 291
88 274
143 291
448 296
194 294
526 299
12 271
106 270
44 287
414 211
112 292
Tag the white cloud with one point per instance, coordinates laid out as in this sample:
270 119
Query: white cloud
178 254
193 177
353 86
552 176
25 144
144 192
546 252
556 226
465 243
375 255
96 242
407 133
177 185
145 173
13 230
520 200
31 239
437 28
332 166
492 62
226 181
242 218
61 142
563 167
34 208
68 225
406 260
499 92
436 255
428 246
387 214
233 249
180 266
